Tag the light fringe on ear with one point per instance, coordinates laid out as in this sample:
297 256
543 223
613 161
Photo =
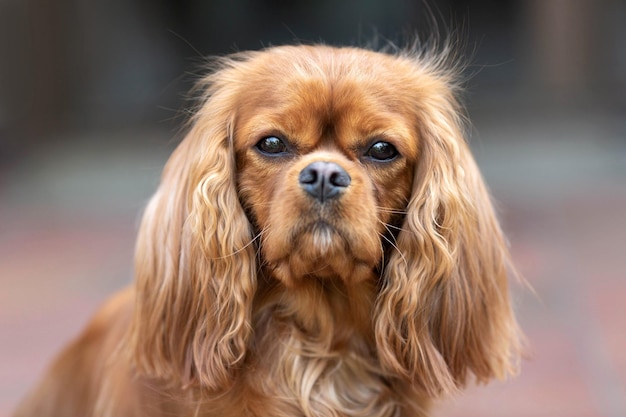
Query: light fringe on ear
444 312
196 256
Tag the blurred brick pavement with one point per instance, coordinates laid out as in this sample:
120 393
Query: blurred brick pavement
68 219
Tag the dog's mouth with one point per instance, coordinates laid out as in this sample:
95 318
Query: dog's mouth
322 250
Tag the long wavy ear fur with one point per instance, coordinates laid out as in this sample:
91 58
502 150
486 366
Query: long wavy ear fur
444 313
195 266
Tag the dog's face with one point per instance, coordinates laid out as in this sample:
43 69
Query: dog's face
325 167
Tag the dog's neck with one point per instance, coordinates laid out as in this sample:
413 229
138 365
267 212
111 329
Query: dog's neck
325 310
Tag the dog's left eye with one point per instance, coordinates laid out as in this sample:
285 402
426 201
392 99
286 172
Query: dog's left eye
271 145
382 151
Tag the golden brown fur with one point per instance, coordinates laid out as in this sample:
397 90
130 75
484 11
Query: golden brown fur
255 298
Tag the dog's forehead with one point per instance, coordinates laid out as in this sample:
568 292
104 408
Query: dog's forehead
326 99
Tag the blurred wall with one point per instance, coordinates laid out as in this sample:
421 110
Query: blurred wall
101 64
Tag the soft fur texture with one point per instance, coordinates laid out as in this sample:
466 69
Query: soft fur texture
255 296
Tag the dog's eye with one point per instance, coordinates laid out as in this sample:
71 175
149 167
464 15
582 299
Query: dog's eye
271 145
382 151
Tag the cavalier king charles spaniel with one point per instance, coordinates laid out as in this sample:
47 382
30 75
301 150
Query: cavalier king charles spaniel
321 244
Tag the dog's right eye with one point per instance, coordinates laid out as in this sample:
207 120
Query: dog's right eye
271 145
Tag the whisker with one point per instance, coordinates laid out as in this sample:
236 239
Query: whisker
256 237
258 250
393 242
391 210
387 226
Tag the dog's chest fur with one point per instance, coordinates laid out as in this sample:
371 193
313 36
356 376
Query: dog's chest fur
318 366
303 377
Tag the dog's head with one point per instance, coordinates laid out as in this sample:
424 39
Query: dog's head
332 164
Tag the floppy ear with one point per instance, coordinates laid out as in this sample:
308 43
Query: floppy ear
444 312
195 265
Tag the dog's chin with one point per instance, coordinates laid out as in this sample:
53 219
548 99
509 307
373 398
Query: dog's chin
322 251
322 240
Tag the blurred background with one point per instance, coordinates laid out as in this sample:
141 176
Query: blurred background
92 99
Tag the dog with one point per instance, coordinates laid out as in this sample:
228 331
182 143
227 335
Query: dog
321 244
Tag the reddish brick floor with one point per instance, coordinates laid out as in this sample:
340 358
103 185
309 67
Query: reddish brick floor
58 261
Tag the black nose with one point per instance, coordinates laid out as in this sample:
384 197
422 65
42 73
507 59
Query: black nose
324 180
